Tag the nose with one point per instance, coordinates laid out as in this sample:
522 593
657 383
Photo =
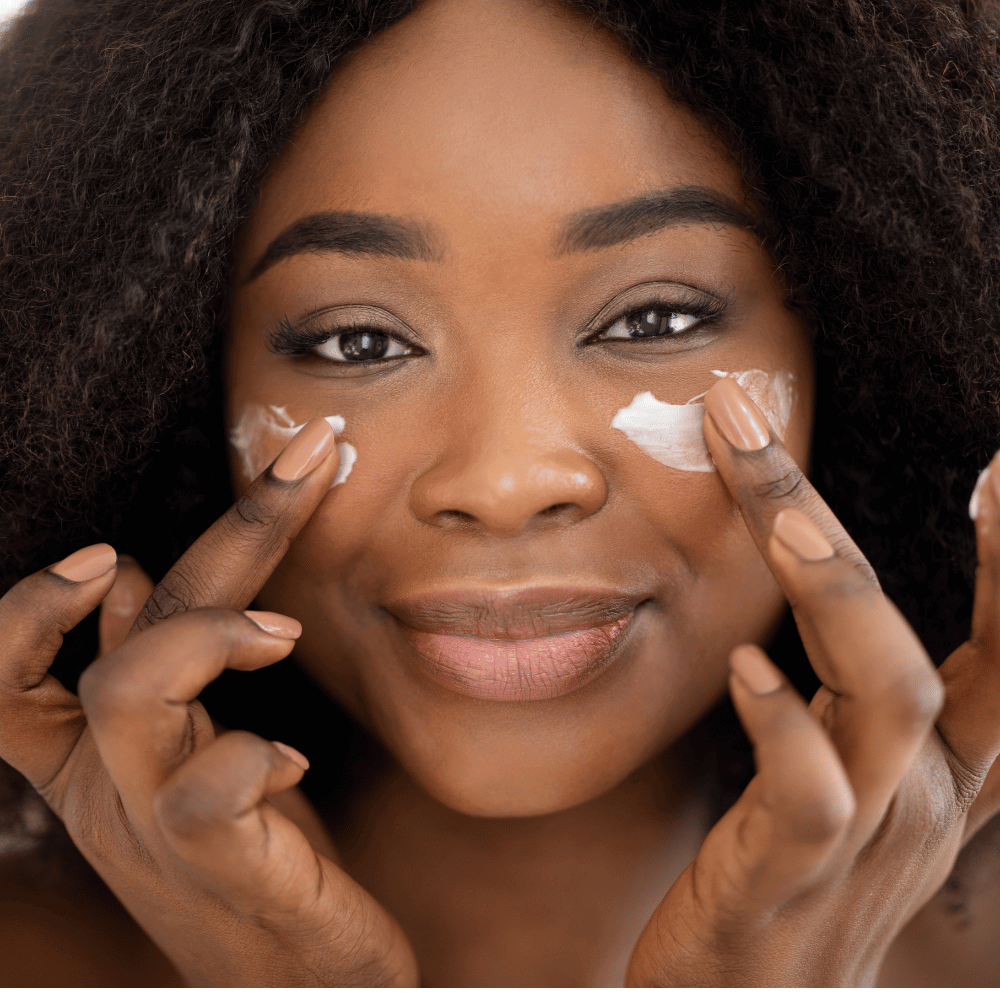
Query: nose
505 481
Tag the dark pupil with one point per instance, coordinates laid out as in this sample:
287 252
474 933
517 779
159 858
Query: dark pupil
651 323
363 345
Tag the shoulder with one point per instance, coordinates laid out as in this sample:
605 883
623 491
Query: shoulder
955 939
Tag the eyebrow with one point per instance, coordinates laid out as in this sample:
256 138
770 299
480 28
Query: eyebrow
624 221
372 235
352 233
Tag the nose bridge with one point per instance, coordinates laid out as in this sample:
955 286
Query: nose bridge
509 462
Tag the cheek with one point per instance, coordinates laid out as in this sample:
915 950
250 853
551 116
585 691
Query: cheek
672 434
260 433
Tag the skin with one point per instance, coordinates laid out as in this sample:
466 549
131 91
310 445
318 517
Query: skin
508 845
461 429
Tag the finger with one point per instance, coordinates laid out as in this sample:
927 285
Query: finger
230 562
986 607
121 607
760 474
888 691
859 644
40 721
765 480
969 722
136 698
213 812
985 806
801 801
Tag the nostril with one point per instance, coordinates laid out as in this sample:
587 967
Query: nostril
557 508
506 492
455 515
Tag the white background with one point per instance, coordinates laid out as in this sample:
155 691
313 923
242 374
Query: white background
8 7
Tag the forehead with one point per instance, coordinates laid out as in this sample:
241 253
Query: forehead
489 119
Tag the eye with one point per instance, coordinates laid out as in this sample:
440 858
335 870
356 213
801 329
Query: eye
357 341
353 346
651 321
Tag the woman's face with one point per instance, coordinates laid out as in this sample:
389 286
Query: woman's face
518 599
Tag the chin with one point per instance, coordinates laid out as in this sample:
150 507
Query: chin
512 767
512 794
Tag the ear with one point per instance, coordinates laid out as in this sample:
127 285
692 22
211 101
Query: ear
121 607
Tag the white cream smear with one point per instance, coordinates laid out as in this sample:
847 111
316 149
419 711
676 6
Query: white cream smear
672 433
262 432
976 490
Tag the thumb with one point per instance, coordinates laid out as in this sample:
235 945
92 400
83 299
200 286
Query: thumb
121 607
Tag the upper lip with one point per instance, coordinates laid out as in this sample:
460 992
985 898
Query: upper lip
513 614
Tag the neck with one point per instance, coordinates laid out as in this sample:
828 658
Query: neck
544 900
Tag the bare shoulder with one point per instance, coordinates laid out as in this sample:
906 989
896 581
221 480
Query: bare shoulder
955 940
71 933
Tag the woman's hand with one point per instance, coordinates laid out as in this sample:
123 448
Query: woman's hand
862 799
175 819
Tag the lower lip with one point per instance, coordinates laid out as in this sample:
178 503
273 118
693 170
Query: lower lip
526 670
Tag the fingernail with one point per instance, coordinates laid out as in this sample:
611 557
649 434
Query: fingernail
280 625
86 564
737 416
802 536
292 754
755 670
305 451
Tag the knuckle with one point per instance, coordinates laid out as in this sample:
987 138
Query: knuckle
187 810
862 568
105 691
916 699
843 583
784 480
171 597
822 818
252 512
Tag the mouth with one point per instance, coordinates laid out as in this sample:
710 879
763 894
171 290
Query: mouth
519 645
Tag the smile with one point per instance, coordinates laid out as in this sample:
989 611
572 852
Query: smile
528 645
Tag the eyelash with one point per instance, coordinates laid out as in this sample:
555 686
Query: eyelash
298 339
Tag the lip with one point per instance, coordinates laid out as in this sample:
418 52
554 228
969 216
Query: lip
516 645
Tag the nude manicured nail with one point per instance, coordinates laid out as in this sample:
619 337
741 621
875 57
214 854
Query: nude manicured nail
292 754
280 625
305 451
86 564
754 669
802 536
737 416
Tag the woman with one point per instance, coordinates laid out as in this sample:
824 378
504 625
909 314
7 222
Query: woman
578 289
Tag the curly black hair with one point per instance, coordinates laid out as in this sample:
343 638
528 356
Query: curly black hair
133 135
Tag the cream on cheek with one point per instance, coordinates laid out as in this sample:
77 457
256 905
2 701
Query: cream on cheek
262 432
672 433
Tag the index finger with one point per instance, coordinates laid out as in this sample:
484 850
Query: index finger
231 561
762 477
861 646
765 480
